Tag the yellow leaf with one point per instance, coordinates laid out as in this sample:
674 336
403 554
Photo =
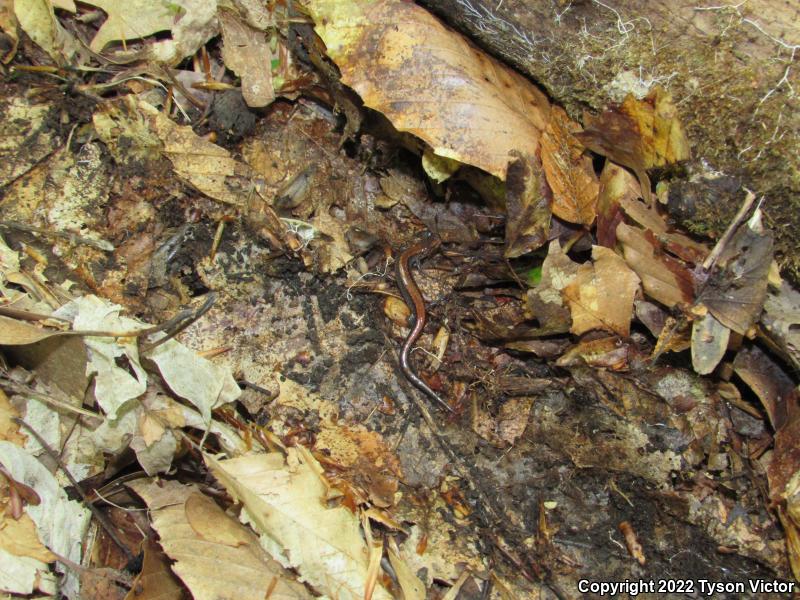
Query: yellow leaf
285 500
569 170
215 556
431 82
601 297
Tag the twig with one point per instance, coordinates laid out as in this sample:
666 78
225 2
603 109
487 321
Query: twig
98 514
181 321
712 258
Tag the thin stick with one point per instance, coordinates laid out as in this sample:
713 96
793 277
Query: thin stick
101 518
712 258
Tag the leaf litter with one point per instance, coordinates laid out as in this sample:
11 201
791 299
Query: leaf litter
190 256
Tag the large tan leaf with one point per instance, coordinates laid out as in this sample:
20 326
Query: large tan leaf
664 279
569 170
286 500
203 164
246 52
191 22
432 82
601 296
14 332
155 581
215 555
132 19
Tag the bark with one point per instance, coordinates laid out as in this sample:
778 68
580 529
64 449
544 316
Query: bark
732 71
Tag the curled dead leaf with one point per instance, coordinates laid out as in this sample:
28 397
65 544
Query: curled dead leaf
527 205
569 170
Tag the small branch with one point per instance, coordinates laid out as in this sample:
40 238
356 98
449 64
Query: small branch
98 514
712 258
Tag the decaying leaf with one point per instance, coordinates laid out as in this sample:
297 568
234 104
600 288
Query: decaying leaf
285 500
114 362
569 170
639 134
505 428
25 124
206 166
709 343
194 378
133 19
413 588
14 332
608 353
191 22
60 522
736 291
431 82
8 25
37 19
770 383
601 296
664 279
616 184
155 579
781 319
527 206
215 555
246 51
545 301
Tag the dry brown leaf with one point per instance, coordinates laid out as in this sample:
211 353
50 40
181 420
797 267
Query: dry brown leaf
191 24
664 279
601 296
569 170
615 185
545 302
505 428
223 559
366 458
639 134
155 581
246 52
38 20
413 588
674 337
648 217
781 319
431 82
608 352
527 205
771 384
206 166
9 430
736 291
709 343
